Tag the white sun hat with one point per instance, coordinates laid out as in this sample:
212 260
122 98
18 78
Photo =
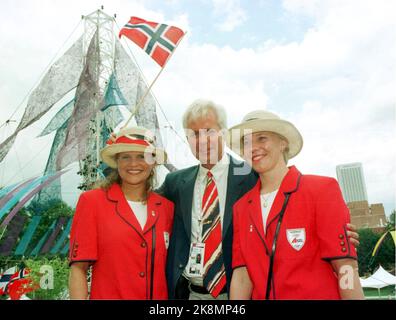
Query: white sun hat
131 139
261 120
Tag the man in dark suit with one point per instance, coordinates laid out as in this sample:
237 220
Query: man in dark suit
205 123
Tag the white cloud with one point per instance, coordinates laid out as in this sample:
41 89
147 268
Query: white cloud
231 12
306 7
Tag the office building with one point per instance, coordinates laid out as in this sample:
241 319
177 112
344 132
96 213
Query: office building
351 180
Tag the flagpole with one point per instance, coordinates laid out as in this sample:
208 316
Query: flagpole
138 105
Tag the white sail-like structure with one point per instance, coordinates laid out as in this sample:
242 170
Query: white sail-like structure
62 77
85 108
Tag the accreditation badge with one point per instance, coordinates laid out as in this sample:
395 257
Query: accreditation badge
296 238
197 253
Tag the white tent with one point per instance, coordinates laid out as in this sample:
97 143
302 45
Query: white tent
379 279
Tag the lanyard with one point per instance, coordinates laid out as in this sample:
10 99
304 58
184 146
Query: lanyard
152 264
272 256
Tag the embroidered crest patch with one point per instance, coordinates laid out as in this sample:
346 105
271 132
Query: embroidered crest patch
296 238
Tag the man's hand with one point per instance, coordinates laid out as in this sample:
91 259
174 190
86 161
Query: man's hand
353 235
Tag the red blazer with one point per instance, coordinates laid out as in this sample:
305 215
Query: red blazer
107 233
312 233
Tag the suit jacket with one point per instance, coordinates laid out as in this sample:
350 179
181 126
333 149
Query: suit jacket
179 187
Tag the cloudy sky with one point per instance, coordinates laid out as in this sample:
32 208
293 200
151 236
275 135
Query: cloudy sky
328 66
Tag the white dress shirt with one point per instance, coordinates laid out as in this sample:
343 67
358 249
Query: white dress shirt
220 176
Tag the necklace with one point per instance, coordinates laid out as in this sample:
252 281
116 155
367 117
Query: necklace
266 197
265 200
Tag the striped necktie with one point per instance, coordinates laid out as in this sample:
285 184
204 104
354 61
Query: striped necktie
214 278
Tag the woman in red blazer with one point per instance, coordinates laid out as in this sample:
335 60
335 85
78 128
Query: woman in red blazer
122 228
290 236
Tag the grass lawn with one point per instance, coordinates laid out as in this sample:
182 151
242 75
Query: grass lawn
386 293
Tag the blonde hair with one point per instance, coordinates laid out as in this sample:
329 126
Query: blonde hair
286 150
109 180
200 108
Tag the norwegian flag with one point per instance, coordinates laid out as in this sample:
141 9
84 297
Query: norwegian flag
16 283
5 278
18 288
23 273
158 40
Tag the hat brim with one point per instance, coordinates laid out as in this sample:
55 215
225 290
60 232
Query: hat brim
109 152
281 127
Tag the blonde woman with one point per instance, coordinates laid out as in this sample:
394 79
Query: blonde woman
290 230
122 228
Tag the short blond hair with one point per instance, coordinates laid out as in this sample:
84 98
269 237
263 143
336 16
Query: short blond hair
200 108
287 149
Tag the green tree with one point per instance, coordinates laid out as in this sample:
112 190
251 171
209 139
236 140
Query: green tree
50 211
391 222
60 272
384 257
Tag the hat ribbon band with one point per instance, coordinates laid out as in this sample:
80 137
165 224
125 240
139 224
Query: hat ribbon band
128 141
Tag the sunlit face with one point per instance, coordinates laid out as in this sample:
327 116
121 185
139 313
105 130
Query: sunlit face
134 167
205 138
264 151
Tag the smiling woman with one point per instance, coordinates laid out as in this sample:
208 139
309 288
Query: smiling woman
290 230
134 169
122 227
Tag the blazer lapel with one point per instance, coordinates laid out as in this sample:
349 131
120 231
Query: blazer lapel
275 209
186 192
233 191
123 210
289 184
254 210
153 211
